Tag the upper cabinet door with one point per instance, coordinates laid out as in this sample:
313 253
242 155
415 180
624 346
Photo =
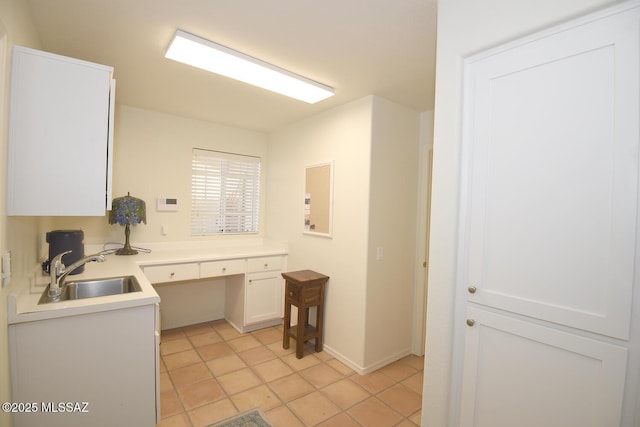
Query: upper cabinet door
552 174
59 134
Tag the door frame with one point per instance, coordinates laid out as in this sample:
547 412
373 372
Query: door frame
420 288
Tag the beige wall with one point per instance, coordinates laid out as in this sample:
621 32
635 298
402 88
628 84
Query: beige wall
464 27
393 207
341 135
16 235
368 307
368 316
152 157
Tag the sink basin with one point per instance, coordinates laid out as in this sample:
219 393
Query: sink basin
94 288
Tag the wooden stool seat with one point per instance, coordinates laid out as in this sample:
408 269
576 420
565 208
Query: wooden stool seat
304 289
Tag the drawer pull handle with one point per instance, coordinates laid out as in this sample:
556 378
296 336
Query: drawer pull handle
266 265
172 274
290 294
224 269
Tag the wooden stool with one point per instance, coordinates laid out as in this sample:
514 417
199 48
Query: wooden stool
304 289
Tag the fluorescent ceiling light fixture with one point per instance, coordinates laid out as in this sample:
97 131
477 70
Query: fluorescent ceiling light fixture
210 56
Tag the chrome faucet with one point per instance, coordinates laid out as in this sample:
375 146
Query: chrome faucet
58 272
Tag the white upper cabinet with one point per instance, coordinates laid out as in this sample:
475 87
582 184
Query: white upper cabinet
553 149
548 257
60 136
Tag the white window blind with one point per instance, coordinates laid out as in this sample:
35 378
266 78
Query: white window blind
225 193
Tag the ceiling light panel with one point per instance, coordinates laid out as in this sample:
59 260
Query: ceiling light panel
207 55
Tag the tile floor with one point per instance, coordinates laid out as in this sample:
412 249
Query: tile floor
210 372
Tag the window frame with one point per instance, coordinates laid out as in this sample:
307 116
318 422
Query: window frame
216 177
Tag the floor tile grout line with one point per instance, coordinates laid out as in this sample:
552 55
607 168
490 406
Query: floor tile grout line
345 410
202 330
342 410
267 383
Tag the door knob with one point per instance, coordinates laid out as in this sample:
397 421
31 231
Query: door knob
471 322
472 289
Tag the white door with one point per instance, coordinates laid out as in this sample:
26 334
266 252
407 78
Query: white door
550 208
522 374
264 297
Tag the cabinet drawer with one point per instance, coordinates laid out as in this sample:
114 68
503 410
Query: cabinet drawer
221 268
292 294
171 273
303 296
311 295
271 263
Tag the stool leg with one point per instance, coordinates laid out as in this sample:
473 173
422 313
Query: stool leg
319 320
300 332
286 325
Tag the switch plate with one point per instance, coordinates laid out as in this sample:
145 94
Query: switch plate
6 268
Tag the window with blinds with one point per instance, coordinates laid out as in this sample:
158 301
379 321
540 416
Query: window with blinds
225 193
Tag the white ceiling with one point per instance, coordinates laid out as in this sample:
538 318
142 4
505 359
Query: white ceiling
359 47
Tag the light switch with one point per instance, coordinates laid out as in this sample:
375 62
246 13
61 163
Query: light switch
6 268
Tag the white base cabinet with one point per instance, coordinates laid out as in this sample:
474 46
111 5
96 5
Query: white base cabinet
256 300
514 368
98 369
264 297
253 290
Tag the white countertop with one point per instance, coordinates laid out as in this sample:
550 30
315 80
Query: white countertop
23 306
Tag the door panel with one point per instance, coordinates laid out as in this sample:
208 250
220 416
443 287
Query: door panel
521 374
549 226
264 297
554 176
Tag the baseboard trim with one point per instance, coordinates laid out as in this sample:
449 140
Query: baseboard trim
364 370
254 326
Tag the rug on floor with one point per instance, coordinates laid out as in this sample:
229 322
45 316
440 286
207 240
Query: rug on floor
252 418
